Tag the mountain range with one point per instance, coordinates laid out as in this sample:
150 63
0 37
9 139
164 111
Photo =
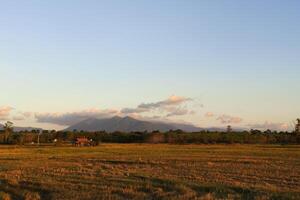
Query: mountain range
128 124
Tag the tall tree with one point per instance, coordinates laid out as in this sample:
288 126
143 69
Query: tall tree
8 129
229 129
297 129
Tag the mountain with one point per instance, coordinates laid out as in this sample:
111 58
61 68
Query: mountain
18 129
187 127
127 124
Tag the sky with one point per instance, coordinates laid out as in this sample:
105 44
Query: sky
209 63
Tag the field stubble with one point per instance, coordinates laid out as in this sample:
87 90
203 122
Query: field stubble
147 171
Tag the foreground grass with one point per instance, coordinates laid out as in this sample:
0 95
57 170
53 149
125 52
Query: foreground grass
144 171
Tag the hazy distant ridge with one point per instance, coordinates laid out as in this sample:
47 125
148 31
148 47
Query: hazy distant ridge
127 124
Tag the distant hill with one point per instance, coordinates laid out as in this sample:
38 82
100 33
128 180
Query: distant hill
18 129
127 124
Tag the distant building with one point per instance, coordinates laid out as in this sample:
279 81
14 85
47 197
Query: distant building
83 141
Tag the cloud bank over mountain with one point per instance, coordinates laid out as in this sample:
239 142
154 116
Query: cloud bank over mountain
70 118
171 110
173 106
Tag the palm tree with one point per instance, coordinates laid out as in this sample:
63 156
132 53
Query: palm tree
297 129
8 129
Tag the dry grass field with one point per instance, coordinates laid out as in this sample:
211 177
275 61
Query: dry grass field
146 171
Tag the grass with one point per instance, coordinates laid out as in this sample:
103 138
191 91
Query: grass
146 171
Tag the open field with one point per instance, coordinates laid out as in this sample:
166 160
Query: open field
147 171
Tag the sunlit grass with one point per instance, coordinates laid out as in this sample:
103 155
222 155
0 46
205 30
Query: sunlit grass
145 171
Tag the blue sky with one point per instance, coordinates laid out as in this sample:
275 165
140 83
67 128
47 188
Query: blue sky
238 59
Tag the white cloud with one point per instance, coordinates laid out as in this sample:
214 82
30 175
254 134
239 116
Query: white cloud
5 112
227 119
171 106
27 114
178 112
70 118
18 118
22 116
271 126
209 114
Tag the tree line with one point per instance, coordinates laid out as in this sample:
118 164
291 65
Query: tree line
8 136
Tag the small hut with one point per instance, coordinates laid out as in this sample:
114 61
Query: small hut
83 141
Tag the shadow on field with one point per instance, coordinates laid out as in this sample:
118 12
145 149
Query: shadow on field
24 190
182 190
222 192
136 186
